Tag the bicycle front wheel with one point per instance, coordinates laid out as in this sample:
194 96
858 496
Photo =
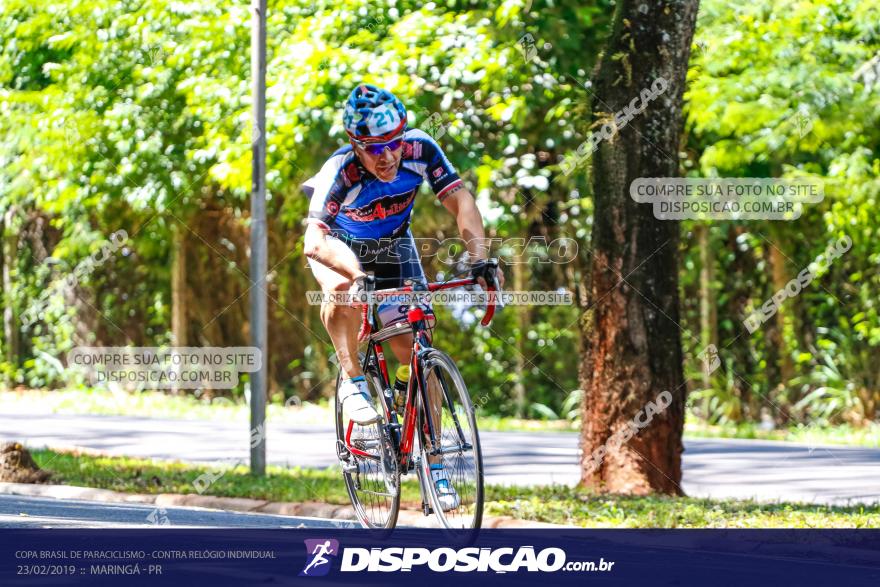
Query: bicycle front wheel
450 438
368 463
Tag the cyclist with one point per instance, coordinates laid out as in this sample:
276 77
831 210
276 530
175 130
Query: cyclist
359 216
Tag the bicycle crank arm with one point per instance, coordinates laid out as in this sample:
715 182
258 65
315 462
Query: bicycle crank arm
452 449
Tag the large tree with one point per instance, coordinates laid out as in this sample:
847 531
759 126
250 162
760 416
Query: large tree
631 331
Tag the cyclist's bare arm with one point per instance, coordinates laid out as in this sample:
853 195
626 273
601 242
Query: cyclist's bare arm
317 248
462 205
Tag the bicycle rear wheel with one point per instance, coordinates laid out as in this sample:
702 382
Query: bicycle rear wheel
372 479
455 442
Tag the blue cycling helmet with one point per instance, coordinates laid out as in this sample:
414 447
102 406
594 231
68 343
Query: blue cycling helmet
373 114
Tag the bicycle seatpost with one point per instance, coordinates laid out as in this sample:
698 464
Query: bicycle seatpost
367 289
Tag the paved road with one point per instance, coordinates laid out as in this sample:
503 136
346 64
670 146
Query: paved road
712 468
42 512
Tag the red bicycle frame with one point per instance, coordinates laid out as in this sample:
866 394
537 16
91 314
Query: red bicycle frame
416 320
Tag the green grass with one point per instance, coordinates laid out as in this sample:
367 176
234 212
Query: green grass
564 505
868 436
154 404
555 504
133 475
507 424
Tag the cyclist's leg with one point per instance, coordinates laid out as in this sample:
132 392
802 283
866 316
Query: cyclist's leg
401 346
435 405
403 260
395 266
341 321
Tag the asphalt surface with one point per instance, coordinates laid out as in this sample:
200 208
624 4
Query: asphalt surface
43 512
718 468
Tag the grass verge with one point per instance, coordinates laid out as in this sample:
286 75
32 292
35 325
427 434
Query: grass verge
555 504
160 405
151 404
867 436
155 404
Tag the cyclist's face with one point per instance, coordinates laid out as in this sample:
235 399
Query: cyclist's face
383 166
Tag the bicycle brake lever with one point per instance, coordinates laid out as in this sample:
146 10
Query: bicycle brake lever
487 270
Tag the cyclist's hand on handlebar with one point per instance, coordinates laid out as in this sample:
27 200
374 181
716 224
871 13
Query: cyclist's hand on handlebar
499 277
483 269
489 277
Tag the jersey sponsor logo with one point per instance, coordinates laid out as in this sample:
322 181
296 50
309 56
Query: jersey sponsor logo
332 207
412 150
439 173
382 208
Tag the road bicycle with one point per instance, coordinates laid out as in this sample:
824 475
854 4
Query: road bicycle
433 422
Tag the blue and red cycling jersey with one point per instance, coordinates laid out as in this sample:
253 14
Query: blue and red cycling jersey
348 199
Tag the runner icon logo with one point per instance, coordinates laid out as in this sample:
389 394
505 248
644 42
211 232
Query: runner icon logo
319 553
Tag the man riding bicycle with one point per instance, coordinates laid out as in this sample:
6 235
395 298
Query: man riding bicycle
359 214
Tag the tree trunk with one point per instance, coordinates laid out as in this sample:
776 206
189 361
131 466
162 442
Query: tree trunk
708 301
517 268
178 291
780 279
178 287
738 275
633 359
10 258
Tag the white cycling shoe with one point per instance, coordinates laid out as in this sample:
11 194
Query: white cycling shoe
356 403
449 499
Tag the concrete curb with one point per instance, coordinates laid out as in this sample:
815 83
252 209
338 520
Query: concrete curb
311 509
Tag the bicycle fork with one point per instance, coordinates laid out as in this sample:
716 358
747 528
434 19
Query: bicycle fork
426 500
424 429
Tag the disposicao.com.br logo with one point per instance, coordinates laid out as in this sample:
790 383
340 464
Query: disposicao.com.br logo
440 560
318 551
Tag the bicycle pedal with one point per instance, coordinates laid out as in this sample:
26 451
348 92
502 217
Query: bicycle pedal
348 467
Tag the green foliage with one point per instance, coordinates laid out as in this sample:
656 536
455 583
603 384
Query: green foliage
779 89
135 116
